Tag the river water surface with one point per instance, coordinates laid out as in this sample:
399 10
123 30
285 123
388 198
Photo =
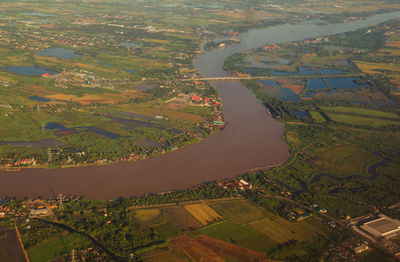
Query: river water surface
251 139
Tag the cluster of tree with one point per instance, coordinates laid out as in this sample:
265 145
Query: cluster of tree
360 39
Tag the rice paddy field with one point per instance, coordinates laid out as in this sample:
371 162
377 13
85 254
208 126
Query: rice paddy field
219 230
361 121
363 112
239 212
203 213
146 215
281 230
243 235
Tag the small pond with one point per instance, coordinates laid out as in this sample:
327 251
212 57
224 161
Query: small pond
59 53
39 98
28 70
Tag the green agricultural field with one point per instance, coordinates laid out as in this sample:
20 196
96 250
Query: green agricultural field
281 230
239 212
146 215
361 121
361 111
56 248
317 117
243 235
166 229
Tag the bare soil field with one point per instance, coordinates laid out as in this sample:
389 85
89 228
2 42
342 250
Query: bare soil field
10 248
203 248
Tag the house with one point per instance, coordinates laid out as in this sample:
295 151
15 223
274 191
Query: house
323 210
243 182
361 248
273 46
195 99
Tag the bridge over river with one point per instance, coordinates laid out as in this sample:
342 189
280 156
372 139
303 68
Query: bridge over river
234 78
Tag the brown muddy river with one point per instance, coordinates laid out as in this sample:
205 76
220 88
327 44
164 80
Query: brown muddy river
251 139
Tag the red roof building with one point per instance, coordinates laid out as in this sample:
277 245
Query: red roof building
196 99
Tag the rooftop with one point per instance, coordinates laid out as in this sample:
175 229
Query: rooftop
382 226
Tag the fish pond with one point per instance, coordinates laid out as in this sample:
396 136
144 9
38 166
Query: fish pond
334 83
59 53
302 70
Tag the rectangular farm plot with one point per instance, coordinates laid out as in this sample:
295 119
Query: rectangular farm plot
146 215
164 255
181 218
239 212
281 230
203 213
10 248
243 235
166 229
204 248
317 117
361 121
361 111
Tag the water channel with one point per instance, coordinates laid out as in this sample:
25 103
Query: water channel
251 139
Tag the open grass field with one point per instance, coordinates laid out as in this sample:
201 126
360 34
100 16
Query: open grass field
361 121
243 235
361 111
375 68
10 248
203 213
395 44
167 229
282 230
204 248
317 117
146 215
336 155
239 212
56 248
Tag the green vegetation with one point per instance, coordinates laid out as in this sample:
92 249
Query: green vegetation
243 235
56 248
239 212
361 111
361 121
317 117
120 100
